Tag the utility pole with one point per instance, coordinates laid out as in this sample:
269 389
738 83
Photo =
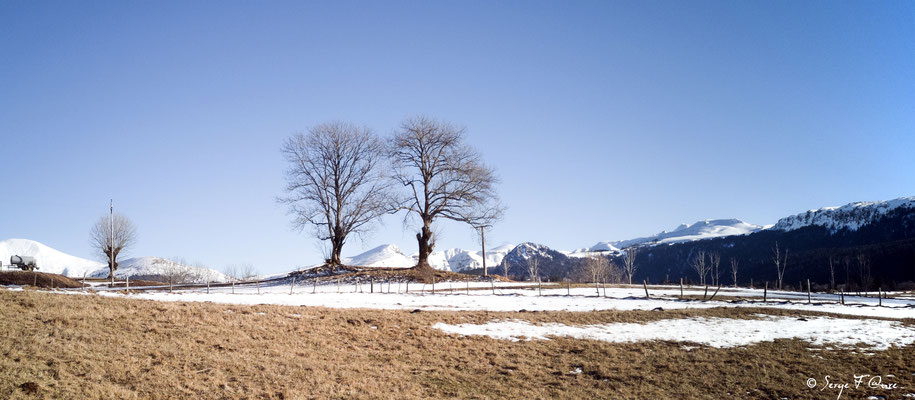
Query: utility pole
483 241
111 238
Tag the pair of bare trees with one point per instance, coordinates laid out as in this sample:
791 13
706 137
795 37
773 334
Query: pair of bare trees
708 267
781 263
341 178
111 236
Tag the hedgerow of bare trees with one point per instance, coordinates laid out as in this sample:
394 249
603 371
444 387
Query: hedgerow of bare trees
697 262
781 263
335 182
443 177
629 266
110 237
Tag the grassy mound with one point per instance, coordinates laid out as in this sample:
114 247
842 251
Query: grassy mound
38 279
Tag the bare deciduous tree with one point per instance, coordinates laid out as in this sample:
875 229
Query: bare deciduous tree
444 177
697 262
335 182
505 268
598 268
864 271
533 268
714 259
111 236
734 265
781 263
629 266
832 272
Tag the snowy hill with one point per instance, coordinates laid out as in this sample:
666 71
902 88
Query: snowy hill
710 228
459 259
386 255
157 266
48 259
850 216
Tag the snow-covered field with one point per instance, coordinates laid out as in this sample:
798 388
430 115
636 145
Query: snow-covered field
517 296
714 332
820 331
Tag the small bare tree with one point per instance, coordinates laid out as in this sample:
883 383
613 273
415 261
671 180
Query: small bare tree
697 262
247 271
864 271
629 266
598 268
505 268
832 272
781 263
111 236
444 178
714 259
533 268
734 265
335 182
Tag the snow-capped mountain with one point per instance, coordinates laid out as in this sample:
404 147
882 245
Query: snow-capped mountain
386 255
601 248
48 259
710 228
850 216
153 267
56 262
459 259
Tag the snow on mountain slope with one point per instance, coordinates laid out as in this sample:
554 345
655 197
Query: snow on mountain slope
48 259
459 259
386 255
850 216
710 228
153 266
601 248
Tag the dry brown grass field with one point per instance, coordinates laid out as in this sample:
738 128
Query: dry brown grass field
93 347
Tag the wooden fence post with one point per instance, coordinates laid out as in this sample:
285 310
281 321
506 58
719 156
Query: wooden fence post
314 287
468 288
338 284
233 285
127 284
842 296
716 292
880 297
808 291
433 284
766 292
372 285
539 287
681 288
645 286
705 295
258 283
492 284
569 287
208 286
291 285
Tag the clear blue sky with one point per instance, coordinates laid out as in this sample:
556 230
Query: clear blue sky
606 120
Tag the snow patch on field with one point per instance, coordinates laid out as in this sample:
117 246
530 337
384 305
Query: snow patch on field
714 332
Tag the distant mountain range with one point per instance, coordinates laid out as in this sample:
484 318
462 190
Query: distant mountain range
56 262
882 229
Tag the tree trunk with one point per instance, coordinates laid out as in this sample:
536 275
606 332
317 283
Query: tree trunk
425 245
336 248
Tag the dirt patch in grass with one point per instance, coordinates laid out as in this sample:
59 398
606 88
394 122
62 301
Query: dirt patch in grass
93 347
37 279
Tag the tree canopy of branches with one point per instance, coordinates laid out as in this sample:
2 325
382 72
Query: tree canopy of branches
629 266
697 262
110 237
443 177
335 182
